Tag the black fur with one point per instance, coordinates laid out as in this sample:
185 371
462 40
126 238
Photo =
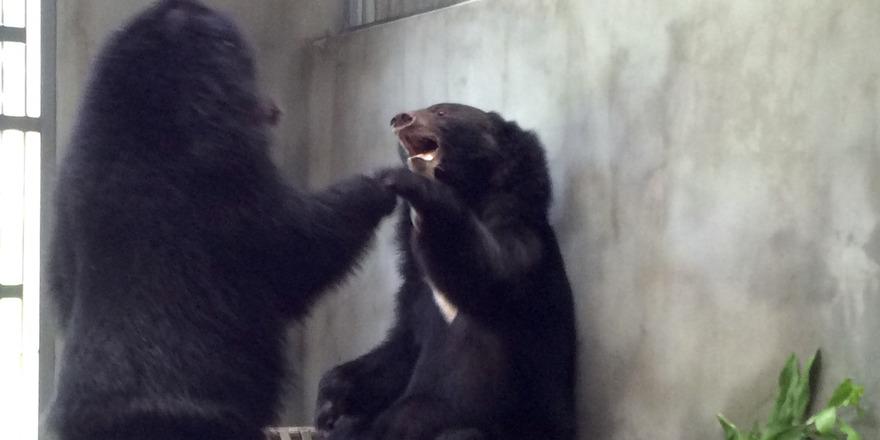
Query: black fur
504 368
180 255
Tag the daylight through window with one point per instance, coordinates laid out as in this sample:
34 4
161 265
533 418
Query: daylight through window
19 216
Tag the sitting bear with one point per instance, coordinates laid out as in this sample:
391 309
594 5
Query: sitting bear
180 255
483 346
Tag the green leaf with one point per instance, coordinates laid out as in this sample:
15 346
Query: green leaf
730 430
803 391
790 409
825 420
794 393
851 433
788 378
846 394
755 433
784 433
795 433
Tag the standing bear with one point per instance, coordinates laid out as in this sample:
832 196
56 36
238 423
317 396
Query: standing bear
180 255
483 346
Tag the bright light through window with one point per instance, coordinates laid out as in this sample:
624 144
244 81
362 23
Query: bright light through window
12 369
14 13
12 201
13 79
20 97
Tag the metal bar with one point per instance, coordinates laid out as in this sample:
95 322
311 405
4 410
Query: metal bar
369 11
10 291
22 123
47 185
13 34
391 13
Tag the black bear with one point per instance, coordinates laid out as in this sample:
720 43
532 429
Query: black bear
483 346
180 254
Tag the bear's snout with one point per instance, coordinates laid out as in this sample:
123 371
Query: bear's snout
402 120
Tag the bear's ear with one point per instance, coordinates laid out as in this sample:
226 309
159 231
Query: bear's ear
498 122
524 170
507 133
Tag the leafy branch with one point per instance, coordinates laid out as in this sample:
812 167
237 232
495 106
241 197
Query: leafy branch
789 418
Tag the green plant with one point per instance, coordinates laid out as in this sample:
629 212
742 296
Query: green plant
789 421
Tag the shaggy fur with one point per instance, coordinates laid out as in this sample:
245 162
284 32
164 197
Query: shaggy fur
180 255
478 238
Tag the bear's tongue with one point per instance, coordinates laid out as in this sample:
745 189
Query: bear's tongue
417 143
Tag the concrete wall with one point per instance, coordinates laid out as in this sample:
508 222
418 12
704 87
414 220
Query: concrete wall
717 186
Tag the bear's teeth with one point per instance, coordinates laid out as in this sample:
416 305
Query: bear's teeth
427 157
424 163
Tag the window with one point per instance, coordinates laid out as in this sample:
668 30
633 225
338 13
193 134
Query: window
366 12
20 158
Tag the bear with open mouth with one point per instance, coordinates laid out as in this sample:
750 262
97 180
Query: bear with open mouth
483 346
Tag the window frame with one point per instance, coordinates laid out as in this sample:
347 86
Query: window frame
48 165
15 291
45 125
24 124
360 14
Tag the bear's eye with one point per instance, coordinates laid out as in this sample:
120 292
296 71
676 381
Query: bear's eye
441 113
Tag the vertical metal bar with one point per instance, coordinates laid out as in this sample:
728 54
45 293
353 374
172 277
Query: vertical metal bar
355 13
47 179
369 11
383 8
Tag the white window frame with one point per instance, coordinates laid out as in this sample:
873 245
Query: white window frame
364 13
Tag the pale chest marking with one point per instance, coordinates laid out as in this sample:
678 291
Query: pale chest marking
447 309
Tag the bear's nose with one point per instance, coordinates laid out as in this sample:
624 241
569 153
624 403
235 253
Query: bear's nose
401 120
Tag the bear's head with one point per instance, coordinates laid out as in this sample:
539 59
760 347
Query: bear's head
477 153
180 70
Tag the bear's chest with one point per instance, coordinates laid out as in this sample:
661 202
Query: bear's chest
448 310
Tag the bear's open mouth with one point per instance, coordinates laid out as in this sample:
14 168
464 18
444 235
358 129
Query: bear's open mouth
416 145
423 152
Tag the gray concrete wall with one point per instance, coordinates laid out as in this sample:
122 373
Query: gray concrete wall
717 186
